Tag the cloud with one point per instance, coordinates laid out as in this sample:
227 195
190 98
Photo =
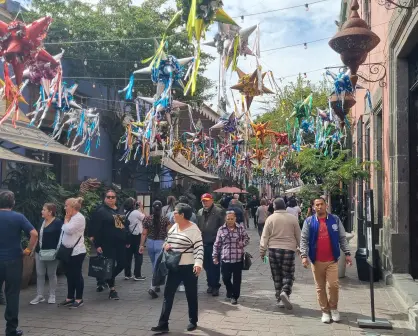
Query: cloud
281 29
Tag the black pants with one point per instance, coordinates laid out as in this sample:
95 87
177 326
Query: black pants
213 271
11 275
260 229
133 251
119 260
232 271
174 278
74 274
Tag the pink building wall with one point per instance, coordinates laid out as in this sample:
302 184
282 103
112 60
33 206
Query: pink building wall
379 18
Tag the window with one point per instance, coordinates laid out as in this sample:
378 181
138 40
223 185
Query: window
366 12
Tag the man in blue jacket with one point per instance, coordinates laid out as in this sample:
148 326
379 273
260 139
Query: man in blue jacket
323 236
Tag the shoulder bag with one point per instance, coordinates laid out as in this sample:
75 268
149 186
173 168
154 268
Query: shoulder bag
172 258
47 255
64 253
246 257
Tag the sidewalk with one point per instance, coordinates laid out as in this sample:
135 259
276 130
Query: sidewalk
256 313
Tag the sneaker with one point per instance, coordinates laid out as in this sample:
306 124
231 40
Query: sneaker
153 294
76 304
325 318
128 277
191 326
209 290
141 278
51 299
113 295
19 332
99 289
181 288
157 289
280 304
286 301
37 299
335 315
234 301
215 292
161 328
66 303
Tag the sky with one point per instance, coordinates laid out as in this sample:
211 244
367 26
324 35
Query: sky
279 29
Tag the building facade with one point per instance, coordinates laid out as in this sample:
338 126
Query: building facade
385 130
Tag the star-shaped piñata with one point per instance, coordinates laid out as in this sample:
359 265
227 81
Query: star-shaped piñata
249 86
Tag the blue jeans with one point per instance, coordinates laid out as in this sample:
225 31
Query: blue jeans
213 272
154 248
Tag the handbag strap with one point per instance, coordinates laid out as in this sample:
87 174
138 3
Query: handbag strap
127 218
60 240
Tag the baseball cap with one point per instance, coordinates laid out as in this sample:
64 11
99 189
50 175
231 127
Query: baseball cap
206 197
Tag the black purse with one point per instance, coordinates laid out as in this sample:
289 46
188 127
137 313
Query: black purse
64 253
172 258
246 261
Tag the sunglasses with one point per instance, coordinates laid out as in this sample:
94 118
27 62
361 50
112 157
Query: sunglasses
111 197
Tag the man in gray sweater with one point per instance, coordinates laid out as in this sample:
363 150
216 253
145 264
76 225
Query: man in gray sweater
281 235
209 219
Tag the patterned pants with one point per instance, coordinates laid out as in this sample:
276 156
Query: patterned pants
282 264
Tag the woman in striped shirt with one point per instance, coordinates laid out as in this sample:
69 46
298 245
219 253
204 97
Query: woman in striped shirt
186 238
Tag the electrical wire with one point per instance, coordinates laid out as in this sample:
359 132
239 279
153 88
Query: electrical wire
281 9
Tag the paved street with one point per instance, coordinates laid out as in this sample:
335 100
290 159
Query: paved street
256 313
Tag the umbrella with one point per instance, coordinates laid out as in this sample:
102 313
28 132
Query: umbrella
230 190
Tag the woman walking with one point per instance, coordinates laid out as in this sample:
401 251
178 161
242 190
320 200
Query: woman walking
261 215
49 236
73 237
229 250
171 203
293 208
185 238
155 230
135 218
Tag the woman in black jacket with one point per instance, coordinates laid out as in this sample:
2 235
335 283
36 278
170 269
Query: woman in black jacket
49 237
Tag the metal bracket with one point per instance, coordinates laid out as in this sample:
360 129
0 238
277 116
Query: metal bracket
374 69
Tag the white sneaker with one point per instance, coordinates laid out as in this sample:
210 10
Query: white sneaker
51 299
181 288
128 278
280 304
325 318
286 301
335 315
37 299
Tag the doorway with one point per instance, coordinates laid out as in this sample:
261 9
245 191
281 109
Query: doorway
413 163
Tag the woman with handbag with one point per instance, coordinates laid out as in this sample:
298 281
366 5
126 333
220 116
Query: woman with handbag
135 218
228 249
73 251
183 253
46 250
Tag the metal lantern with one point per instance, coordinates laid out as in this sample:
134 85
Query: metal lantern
354 41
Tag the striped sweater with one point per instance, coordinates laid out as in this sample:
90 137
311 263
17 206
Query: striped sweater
188 241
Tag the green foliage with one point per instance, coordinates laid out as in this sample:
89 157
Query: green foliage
291 94
330 172
252 190
33 187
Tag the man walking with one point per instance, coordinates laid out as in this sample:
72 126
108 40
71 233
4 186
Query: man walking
323 236
281 235
110 238
11 264
209 219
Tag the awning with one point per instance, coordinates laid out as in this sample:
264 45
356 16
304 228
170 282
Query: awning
182 161
33 138
8 155
174 166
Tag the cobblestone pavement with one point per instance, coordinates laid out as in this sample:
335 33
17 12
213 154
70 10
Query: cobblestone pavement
256 313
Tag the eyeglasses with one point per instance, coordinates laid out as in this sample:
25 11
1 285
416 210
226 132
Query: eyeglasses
111 197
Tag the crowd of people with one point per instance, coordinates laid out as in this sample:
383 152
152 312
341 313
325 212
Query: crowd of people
179 243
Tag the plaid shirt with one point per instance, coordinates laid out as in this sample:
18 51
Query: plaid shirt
230 244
